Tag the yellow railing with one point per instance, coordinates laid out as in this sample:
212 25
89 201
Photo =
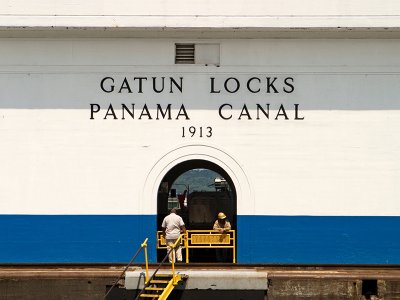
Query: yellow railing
143 245
202 239
174 276
171 283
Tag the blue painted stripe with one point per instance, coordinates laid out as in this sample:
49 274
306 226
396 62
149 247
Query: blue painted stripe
318 240
74 239
260 239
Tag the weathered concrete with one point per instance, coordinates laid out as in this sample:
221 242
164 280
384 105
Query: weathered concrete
389 289
277 282
210 279
288 289
53 289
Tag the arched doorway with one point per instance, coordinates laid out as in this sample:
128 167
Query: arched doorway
202 201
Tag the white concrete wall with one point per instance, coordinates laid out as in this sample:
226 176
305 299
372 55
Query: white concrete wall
342 159
199 7
199 13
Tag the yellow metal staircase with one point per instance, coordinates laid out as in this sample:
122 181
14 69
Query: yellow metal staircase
160 286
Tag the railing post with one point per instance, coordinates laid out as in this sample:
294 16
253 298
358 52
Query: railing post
187 246
144 245
173 262
234 246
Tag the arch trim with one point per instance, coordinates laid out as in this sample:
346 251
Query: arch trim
245 199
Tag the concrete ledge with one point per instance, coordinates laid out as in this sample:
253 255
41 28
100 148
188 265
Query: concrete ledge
9 29
273 272
209 279
202 21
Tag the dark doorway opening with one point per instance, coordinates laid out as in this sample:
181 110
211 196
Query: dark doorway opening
369 288
199 189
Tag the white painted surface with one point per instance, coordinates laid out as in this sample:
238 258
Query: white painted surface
197 13
342 159
258 56
199 7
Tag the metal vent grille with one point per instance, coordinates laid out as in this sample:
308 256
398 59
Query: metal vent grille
184 53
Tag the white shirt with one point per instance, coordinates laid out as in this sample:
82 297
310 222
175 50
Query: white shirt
172 224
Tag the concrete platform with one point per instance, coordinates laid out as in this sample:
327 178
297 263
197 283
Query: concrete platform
208 279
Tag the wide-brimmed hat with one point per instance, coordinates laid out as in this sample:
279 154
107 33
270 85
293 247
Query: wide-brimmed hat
221 216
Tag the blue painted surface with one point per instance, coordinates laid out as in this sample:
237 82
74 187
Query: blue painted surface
74 239
318 240
261 239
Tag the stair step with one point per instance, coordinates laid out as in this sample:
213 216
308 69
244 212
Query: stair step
149 295
159 281
163 275
154 289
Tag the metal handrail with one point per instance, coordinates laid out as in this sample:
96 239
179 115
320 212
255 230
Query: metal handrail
147 283
174 276
230 244
178 241
143 245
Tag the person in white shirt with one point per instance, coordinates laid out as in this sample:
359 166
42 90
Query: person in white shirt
172 226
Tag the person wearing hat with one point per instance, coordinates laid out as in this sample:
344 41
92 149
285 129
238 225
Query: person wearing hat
223 226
